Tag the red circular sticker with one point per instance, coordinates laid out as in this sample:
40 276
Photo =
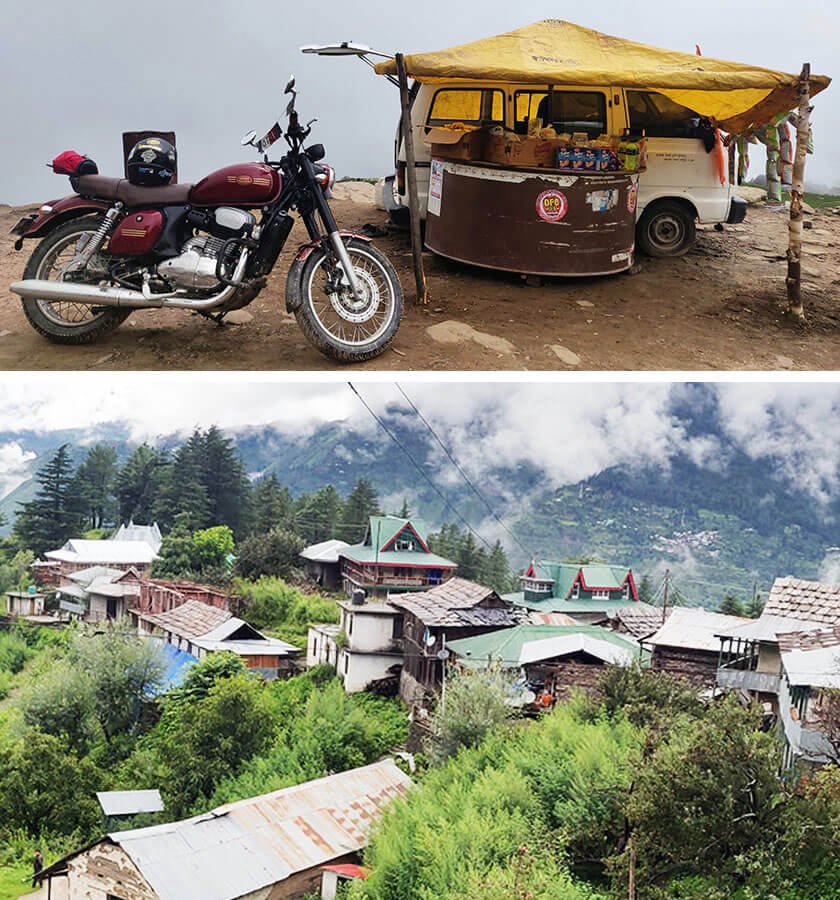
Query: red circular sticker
632 195
552 206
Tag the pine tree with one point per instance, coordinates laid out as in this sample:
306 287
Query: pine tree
138 483
404 512
224 479
319 515
731 606
469 558
181 494
272 505
95 479
495 571
53 515
362 503
645 590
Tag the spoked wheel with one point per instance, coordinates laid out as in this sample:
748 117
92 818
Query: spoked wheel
342 326
65 322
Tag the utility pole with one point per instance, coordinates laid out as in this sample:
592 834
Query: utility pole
665 593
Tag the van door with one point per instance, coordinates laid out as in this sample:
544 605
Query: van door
678 164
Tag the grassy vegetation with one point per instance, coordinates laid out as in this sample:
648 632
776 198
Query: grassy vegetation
13 882
818 201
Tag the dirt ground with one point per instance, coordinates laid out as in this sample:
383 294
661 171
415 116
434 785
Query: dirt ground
719 307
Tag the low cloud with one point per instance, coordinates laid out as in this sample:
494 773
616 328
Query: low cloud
15 466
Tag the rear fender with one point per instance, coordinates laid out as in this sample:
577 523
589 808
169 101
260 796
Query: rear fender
56 212
294 280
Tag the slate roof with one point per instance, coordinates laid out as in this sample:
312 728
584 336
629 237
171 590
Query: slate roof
455 603
512 647
811 601
640 619
216 629
244 847
692 628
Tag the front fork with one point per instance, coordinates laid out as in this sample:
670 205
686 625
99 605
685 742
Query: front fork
333 233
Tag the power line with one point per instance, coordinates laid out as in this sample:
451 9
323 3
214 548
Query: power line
463 474
417 466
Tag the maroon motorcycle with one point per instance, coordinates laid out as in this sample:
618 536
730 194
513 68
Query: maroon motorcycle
117 246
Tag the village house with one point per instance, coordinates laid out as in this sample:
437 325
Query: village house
456 609
25 603
809 708
365 647
132 546
553 659
199 630
687 645
750 657
394 557
589 594
158 596
98 593
322 564
270 847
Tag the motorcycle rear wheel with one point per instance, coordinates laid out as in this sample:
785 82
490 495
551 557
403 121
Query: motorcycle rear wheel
65 322
335 322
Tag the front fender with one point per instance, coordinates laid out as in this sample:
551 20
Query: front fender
294 280
60 211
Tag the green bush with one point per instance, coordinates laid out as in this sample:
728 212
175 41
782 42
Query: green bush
14 652
269 603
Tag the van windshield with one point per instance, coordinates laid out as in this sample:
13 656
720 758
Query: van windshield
571 111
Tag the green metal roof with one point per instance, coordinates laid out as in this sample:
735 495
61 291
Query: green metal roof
595 575
414 558
383 529
505 647
559 604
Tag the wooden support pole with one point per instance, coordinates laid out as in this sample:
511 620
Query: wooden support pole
411 181
794 253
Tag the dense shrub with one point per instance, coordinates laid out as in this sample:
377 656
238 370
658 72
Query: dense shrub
270 603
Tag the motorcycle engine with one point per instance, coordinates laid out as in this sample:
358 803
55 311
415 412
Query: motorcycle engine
195 267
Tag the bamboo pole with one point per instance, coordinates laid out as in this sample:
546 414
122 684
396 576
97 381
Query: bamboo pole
411 181
794 253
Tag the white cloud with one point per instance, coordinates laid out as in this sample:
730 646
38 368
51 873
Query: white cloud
15 466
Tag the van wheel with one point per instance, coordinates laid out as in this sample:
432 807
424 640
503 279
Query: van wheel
666 229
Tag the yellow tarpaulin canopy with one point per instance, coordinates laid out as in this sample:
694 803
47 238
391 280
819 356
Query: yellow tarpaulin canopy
736 96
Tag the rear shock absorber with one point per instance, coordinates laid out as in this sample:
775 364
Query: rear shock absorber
97 239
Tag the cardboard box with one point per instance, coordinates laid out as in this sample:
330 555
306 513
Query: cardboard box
448 144
527 152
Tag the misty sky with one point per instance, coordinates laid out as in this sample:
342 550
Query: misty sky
583 428
76 75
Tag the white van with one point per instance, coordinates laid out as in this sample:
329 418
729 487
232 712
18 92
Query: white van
681 186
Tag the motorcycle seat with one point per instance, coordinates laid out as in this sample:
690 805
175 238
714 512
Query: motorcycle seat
132 195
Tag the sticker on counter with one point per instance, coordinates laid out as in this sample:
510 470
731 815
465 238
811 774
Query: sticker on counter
552 206
601 201
632 195
435 187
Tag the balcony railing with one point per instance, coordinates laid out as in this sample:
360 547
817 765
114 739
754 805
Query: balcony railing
375 577
748 680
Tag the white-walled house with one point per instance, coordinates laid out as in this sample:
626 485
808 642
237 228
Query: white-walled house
365 646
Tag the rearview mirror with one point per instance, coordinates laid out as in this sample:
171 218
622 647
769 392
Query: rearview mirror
290 85
248 138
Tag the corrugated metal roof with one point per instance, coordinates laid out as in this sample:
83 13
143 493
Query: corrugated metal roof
507 647
326 551
86 576
104 552
812 658
693 629
129 803
242 847
767 628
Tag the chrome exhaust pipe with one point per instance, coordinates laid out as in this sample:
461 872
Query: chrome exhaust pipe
97 295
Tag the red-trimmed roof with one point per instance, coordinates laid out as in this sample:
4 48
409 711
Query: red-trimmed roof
423 544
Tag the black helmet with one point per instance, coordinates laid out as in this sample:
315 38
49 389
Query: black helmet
151 162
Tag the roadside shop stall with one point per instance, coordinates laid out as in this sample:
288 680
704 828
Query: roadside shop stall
513 201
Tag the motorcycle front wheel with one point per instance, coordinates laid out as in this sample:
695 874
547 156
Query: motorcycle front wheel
65 322
342 326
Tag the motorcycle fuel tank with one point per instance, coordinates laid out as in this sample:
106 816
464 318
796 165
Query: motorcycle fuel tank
245 184
137 233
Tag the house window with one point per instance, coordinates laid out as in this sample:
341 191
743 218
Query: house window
576 591
405 545
627 591
397 630
346 662
600 595
349 625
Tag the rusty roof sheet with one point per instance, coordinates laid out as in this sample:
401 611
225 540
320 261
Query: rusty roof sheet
811 601
244 846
